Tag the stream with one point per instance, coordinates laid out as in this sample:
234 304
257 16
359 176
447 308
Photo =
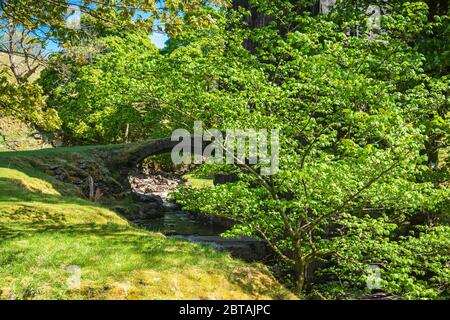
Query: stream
159 214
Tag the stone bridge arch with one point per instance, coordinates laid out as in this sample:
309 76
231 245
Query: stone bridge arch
127 157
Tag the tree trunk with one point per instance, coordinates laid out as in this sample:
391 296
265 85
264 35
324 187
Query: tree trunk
259 20
300 270
254 21
127 130
90 182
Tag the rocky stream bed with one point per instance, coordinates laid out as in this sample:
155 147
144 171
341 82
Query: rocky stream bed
158 213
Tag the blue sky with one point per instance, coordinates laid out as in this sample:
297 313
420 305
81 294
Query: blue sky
159 39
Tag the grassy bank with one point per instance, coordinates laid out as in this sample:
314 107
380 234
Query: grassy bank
47 231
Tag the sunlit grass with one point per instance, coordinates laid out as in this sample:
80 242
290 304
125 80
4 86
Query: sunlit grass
198 182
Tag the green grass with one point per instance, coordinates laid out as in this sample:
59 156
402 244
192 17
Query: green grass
62 152
44 230
198 182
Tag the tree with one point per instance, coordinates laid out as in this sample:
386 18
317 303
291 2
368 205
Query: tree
24 54
48 19
26 101
350 190
49 16
356 108
20 97
98 84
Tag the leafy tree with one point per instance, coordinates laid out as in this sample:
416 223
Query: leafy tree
353 114
49 19
51 15
26 101
97 86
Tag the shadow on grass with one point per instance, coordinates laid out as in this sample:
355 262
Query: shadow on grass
12 190
28 211
155 252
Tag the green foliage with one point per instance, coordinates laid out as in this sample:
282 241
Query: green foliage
46 19
357 115
101 95
413 266
27 102
174 14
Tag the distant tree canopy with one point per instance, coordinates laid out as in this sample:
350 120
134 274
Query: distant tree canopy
42 20
51 15
97 85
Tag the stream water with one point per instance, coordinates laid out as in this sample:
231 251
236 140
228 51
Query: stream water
161 215
183 226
